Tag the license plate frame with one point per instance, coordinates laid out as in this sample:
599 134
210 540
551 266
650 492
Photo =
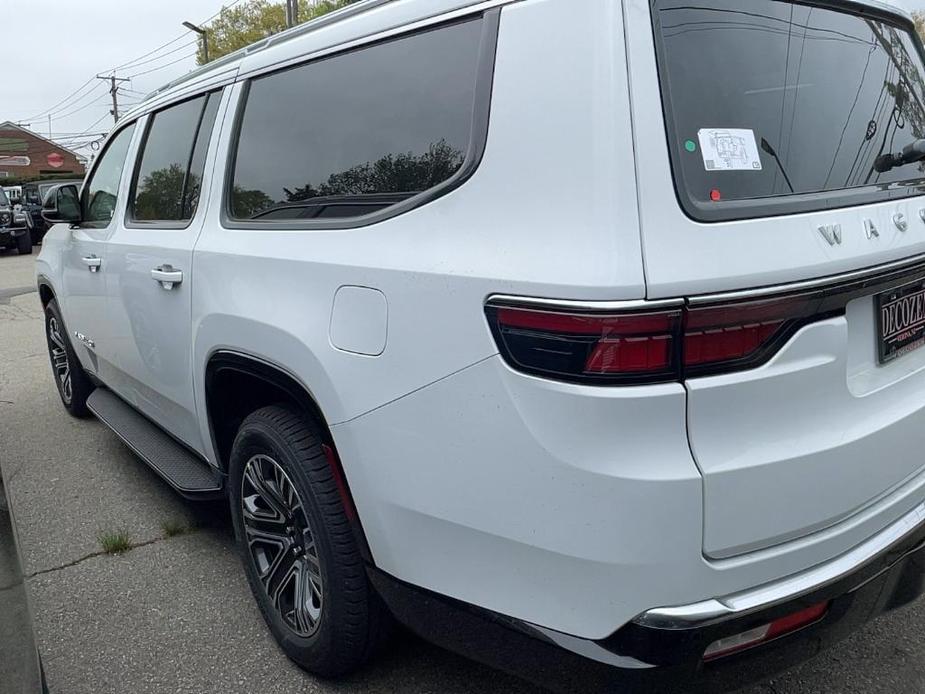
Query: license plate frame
900 318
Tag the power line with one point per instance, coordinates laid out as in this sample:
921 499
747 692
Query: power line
69 100
134 61
68 97
157 57
96 101
161 67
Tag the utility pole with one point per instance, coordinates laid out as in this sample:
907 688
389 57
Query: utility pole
114 90
205 39
49 126
292 12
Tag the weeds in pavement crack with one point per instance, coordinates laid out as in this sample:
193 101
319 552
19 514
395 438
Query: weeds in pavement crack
101 552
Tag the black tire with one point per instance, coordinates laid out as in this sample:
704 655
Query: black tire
74 398
24 244
352 620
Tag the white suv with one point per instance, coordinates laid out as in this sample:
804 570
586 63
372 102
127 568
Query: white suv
580 336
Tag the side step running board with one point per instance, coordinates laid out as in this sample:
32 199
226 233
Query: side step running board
189 475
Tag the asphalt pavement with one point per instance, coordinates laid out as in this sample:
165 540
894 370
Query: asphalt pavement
175 614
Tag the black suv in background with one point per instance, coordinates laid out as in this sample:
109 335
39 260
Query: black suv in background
14 230
31 201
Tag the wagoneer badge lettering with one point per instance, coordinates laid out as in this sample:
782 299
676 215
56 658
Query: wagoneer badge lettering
899 219
831 233
871 229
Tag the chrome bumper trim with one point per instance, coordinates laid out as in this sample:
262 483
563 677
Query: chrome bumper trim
719 609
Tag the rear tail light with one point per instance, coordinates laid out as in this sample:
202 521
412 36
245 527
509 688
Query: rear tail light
649 342
766 632
589 347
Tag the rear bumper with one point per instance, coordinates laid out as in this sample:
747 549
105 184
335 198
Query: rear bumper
662 651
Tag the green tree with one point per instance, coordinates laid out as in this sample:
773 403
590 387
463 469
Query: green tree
393 173
250 21
159 194
246 203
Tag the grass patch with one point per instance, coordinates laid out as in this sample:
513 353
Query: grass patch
115 542
172 528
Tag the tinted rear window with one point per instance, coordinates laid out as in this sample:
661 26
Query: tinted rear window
773 106
395 118
170 171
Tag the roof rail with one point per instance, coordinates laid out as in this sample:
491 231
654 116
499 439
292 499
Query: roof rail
298 30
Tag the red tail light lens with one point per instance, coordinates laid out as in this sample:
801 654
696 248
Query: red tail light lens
647 346
741 332
589 347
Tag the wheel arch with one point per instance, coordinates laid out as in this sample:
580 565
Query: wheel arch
237 384
227 374
46 291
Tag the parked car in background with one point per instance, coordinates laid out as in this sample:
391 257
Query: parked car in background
14 227
14 193
33 194
555 351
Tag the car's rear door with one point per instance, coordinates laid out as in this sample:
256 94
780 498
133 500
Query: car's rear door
764 172
84 262
151 264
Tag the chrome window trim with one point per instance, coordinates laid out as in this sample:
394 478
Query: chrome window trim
738 604
706 299
511 301
827 280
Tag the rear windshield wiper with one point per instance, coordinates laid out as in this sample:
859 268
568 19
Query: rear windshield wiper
910 154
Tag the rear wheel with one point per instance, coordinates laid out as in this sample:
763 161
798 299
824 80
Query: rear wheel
24 244
298 549
74 385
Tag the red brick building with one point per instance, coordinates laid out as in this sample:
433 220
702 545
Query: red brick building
23 154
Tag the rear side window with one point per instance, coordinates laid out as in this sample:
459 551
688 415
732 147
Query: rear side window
775 107
169 174
360 132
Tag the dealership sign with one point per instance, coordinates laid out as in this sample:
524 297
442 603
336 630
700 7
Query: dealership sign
15 161
55 160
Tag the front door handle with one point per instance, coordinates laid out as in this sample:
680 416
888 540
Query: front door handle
167 275
93 262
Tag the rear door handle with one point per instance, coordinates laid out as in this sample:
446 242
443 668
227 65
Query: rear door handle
93 262
167 275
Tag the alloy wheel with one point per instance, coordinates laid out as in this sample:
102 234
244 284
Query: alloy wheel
281 544
59 361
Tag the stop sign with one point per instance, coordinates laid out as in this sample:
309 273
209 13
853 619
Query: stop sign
55 160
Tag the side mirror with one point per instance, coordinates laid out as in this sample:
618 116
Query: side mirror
62 205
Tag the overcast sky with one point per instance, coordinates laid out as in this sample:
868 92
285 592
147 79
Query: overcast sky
67 42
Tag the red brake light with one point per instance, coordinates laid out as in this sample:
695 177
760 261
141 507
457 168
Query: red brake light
733 332
650 346
591 347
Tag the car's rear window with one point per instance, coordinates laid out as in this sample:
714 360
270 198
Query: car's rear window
775 107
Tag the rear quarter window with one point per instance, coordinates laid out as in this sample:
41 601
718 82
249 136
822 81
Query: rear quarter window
774 107
361 133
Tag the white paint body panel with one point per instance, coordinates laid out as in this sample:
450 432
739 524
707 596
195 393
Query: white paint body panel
572 507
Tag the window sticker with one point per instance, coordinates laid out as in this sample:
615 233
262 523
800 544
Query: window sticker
729 149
